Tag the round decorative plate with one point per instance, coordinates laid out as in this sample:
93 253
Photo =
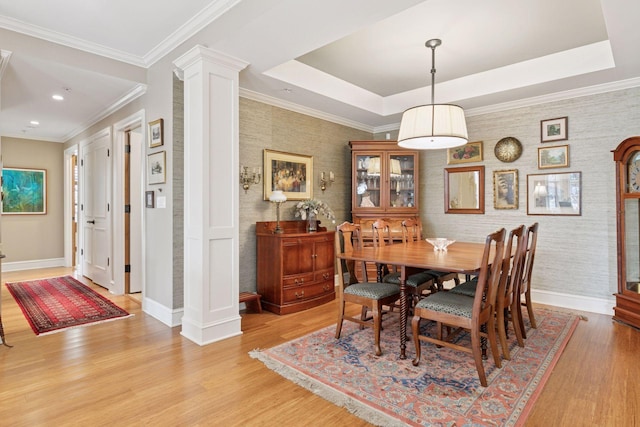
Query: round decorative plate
508 149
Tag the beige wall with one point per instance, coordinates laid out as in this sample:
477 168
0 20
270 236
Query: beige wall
35 237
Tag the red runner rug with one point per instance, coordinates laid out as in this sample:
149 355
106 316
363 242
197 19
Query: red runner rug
443 390
51 305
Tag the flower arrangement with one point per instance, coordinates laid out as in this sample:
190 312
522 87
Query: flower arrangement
304 207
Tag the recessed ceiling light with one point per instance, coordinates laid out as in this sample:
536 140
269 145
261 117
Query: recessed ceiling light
34 122
58 97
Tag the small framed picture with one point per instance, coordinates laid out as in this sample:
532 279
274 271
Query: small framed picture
554 194
289 172
553 157
156 133
149 199
505 189
156 168
470 152
554 129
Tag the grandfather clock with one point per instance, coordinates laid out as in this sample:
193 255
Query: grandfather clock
627 158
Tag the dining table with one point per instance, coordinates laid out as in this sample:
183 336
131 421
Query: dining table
459 257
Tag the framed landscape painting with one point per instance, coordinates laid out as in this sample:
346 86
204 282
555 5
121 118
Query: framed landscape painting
24 191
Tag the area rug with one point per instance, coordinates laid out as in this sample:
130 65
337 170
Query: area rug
52 305
443 390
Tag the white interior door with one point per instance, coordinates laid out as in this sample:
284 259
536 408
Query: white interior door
96 215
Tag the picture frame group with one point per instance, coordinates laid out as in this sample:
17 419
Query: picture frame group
289 172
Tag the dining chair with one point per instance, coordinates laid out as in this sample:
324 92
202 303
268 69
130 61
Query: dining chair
370 295
475 315
508 286
418 283
525 283
412 231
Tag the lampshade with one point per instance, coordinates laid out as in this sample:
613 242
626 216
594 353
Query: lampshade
277 196
396 168
433 126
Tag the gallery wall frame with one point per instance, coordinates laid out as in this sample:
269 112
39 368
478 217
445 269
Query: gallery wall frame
156 168
505 189
156 133
554 129
554 193
24 191
470 152
553 157
289 172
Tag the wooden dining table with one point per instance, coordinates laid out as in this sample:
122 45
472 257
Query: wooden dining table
460 257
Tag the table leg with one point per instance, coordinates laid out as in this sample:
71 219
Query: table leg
4 342
403 312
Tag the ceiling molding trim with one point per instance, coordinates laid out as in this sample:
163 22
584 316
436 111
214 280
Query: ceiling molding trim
205 17
5 55
33 138
537 100
130 96
557 96
287 105
69 41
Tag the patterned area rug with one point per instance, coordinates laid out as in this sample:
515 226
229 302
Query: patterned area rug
51 305
443 390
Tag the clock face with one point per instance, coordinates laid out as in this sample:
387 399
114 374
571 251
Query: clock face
634 177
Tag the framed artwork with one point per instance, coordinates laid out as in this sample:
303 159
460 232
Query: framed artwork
554 193
470 152
156 133
553 157
24 191
505 189
554 129
156 168
149 199
464 190
291 173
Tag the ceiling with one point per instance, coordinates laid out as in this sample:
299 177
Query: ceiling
360 62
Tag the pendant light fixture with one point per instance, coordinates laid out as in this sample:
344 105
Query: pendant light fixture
433 126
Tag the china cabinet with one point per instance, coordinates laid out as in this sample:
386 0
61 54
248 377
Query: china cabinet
627 158
385 185
295 269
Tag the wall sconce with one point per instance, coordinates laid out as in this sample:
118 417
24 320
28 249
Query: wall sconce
326 179
247 178
277 197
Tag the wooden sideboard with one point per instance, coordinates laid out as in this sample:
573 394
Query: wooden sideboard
295 269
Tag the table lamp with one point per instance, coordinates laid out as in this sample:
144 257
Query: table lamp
277 197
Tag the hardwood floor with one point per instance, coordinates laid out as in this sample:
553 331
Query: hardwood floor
138 371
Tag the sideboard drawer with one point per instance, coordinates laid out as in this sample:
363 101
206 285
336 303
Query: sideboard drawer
307 292
296 281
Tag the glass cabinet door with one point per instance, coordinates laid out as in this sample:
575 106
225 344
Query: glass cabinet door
368 169
401 181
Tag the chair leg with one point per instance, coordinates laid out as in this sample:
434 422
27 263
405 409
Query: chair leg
515 319
520 318
415 329
493 342
377 326
477 356
340 320
532 318
502 333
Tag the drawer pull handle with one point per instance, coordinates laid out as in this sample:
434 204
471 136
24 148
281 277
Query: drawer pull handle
326 287
298 282
301 295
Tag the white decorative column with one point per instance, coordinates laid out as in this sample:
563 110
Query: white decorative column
211 194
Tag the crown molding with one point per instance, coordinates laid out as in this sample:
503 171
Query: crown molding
203 18
287 105
69 41
130 96
537 100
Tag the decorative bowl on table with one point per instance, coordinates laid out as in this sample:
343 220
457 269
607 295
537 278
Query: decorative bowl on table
440 243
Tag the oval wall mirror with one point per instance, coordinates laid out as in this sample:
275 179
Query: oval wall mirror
464 190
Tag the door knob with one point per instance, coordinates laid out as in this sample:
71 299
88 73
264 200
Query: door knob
91 222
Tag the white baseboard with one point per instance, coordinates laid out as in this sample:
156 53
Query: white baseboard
575 302
168 316
33 264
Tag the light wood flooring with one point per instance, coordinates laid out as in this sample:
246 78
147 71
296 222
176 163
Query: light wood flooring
138 371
